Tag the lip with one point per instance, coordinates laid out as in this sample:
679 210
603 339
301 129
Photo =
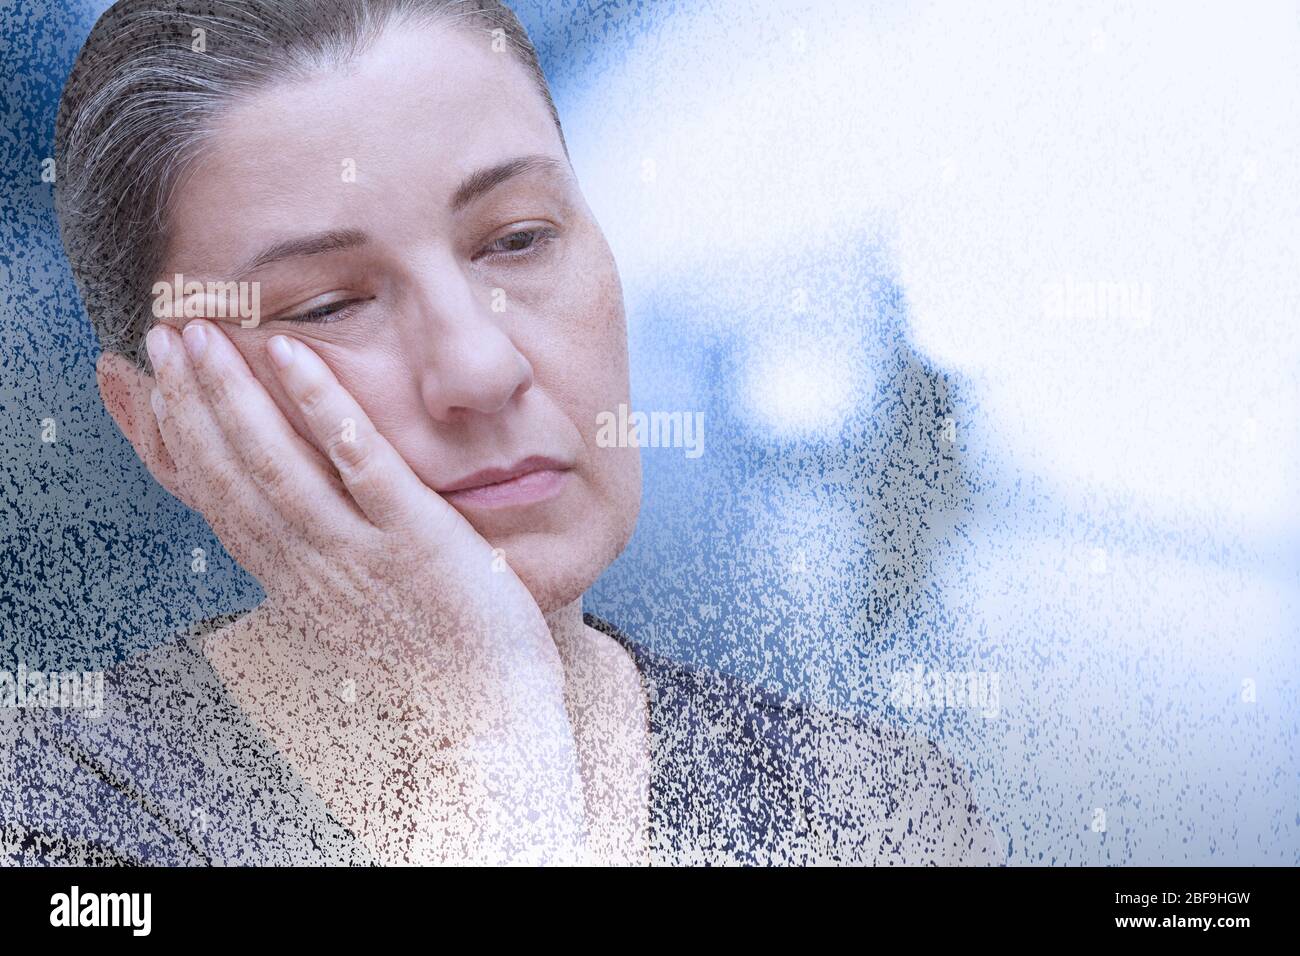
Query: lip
527 482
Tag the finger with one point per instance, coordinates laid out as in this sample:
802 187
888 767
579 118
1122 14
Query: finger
378 478
283 468
208 469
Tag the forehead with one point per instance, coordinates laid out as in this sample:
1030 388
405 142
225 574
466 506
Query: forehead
401 124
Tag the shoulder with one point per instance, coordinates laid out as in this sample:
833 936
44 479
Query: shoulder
745 774
73 777
163 769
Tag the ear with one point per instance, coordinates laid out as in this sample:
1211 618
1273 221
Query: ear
125 390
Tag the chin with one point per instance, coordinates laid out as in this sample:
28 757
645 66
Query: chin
558 567
553 591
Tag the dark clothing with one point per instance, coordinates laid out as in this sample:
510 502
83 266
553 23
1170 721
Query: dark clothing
174 773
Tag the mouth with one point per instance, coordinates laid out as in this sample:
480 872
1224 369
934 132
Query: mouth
528 482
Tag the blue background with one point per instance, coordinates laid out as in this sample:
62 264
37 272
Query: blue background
837 530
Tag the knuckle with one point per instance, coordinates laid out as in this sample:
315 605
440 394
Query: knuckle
222 486
362 479
350 453
334 537
265 470
312 397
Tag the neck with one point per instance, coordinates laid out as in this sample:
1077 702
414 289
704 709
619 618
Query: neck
570 633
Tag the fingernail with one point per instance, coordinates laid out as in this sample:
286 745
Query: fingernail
281 351
196 340
159 406
157 344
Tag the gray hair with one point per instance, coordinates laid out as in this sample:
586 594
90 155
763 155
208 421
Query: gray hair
140 100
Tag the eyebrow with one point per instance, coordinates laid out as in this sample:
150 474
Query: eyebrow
314 245
485 180
471 188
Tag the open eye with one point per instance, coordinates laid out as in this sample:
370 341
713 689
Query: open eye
520 244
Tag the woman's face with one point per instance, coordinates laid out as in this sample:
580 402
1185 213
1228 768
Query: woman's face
412 217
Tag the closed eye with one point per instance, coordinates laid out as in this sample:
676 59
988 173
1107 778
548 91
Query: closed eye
322 314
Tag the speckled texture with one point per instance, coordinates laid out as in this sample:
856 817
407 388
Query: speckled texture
972 490
172 773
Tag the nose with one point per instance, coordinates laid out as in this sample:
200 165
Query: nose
472 364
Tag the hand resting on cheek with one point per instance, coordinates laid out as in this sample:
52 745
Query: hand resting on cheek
442 648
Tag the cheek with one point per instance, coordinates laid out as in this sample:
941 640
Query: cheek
595 380
604 381
581 357
383 383
356 371
253 348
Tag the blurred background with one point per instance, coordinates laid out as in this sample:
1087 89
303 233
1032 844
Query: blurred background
994 319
